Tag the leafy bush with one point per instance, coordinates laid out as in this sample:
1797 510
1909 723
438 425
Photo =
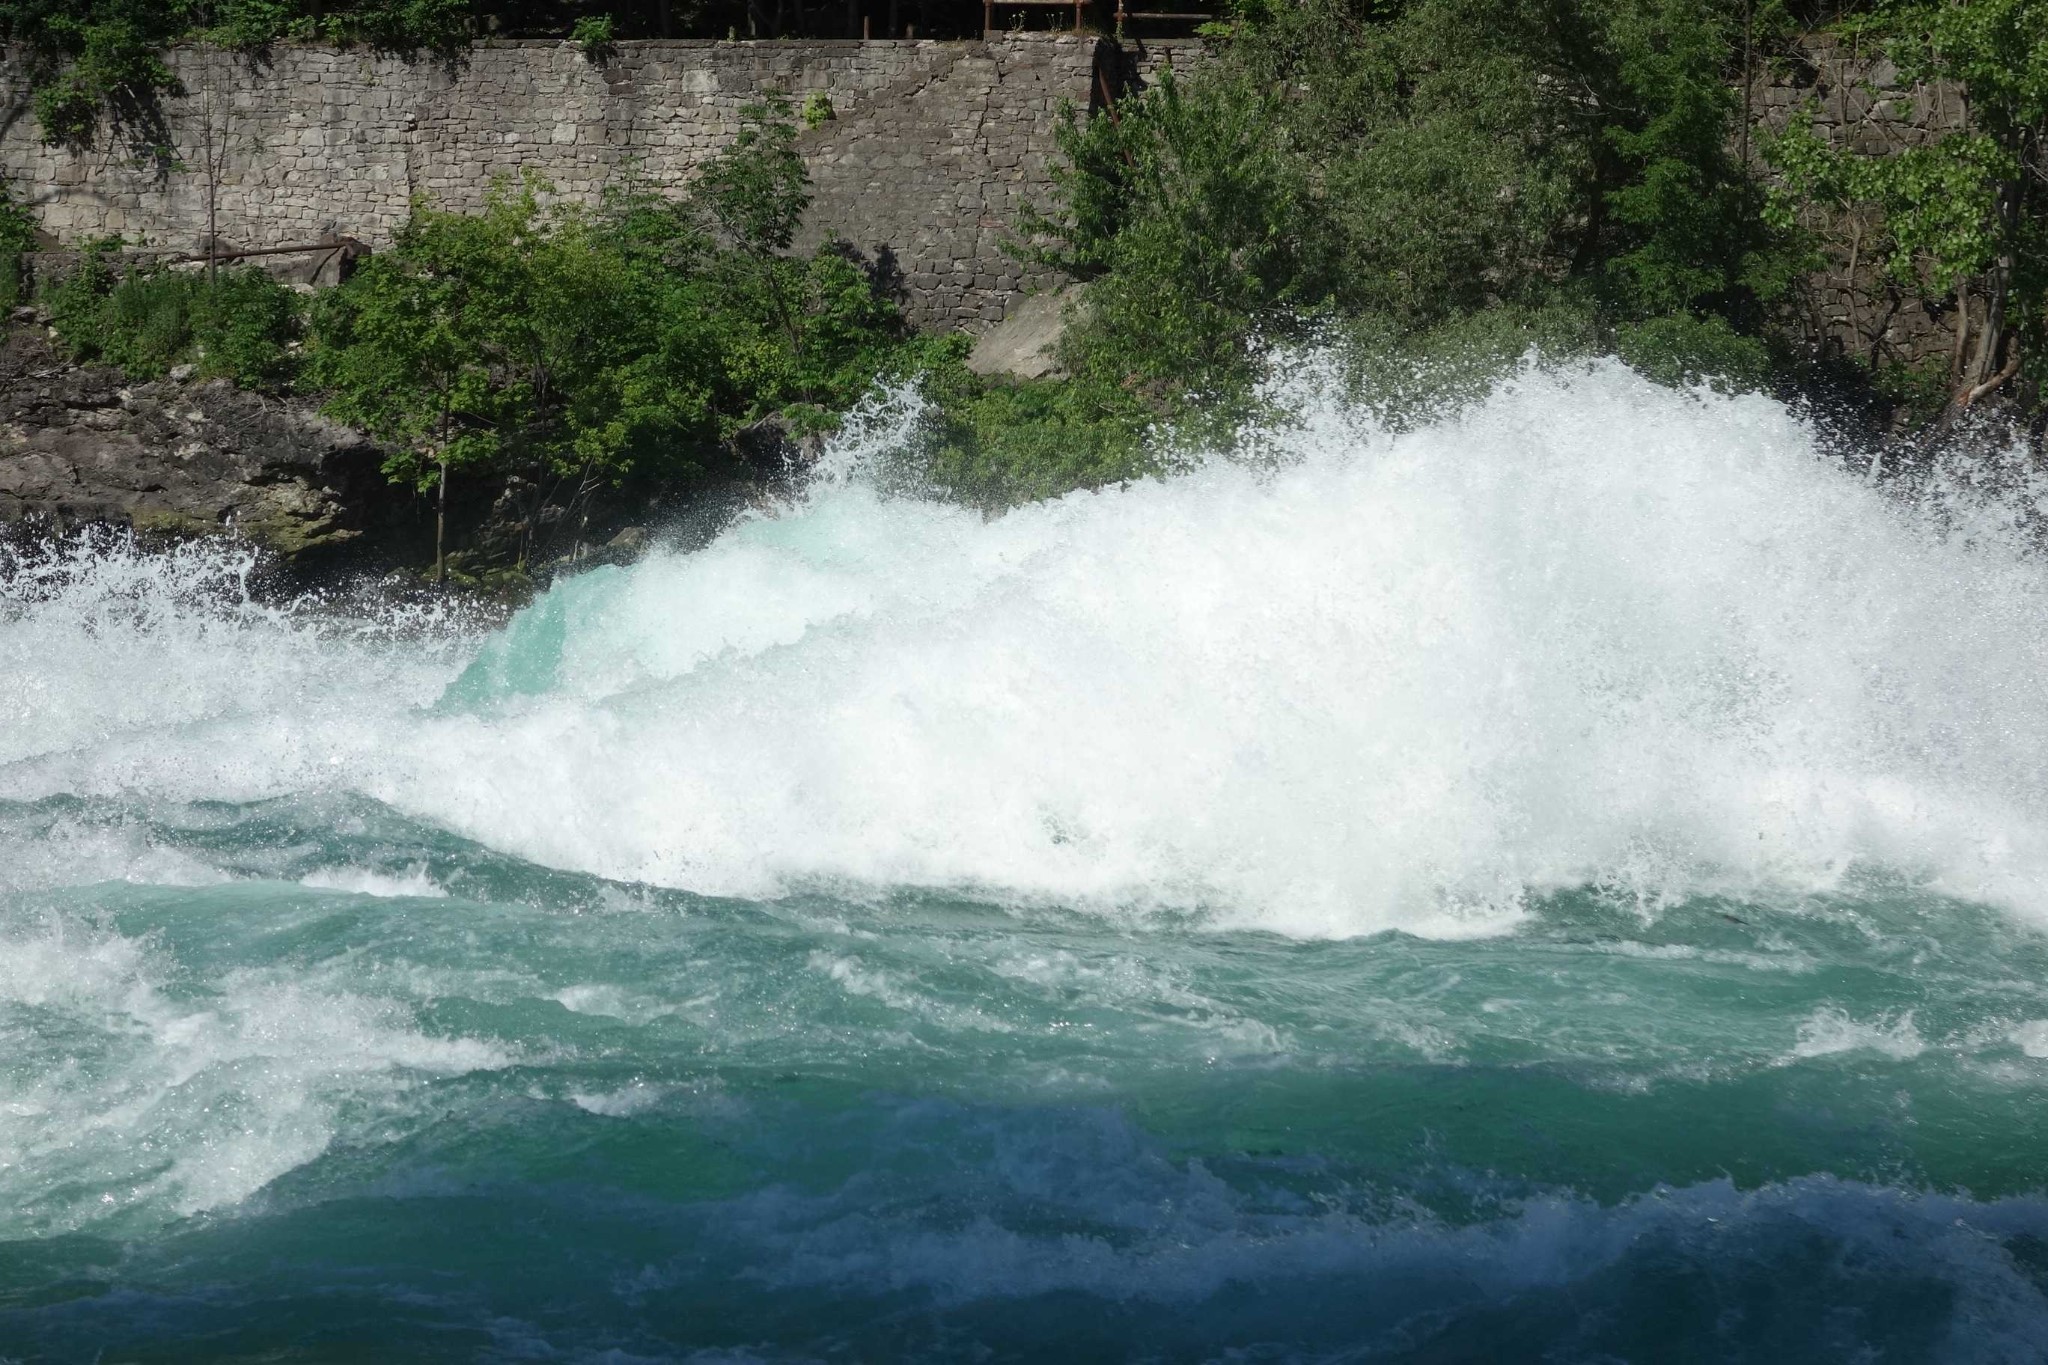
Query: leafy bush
581 349
1395 169
243 327
17 235
996 443
1682 349
593 33
1200 229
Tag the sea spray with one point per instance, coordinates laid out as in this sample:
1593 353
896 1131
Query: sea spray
1588 630
1560 880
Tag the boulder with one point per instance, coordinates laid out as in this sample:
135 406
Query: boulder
1025 344
83 444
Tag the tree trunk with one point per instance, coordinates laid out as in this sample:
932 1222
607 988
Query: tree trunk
2001 286
1962 348
1982 374
441 528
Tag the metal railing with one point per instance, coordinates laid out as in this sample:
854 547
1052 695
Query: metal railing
1176 16
989 8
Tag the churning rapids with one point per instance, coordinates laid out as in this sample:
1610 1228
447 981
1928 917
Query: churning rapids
1567 883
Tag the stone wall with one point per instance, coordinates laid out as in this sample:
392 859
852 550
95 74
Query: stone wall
1858 101
1145 58
933 152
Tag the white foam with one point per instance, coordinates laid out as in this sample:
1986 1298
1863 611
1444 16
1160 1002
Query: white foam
1590 630
43 851
624 1102
363 881
1829 1032
2031 1037
130 665
168 1102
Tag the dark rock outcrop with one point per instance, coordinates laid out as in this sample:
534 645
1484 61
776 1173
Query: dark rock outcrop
84 445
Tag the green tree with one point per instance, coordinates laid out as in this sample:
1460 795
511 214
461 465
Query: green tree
1416 163
403 353
91 62
1967 216
580 349
1199 226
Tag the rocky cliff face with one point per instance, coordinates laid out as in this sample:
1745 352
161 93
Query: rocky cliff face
85 444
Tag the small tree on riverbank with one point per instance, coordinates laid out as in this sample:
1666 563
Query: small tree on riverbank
577 348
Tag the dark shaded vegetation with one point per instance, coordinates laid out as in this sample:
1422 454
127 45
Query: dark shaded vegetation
243 326
1379 173
1430 189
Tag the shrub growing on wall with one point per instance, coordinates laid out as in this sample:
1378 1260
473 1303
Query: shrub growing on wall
584 348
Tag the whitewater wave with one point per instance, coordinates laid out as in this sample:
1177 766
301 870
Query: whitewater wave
129 1093
1588 630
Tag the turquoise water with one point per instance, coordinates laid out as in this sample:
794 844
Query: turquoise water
1564 885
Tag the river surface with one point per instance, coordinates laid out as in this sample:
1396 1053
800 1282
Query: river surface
1563 884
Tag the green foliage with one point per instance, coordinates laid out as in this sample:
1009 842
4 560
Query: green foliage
995 443
479 335
1687 234
1410 165
243 327
1197 223
597 347
113 70
402 26
1451 145
593 33
407 26
17 225
1415 375
245 25
817 111
17 235
97 66
1916 392
1968 213
1939 221
1683 349
757 190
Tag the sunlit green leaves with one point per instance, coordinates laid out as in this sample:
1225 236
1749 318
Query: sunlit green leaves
602 345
